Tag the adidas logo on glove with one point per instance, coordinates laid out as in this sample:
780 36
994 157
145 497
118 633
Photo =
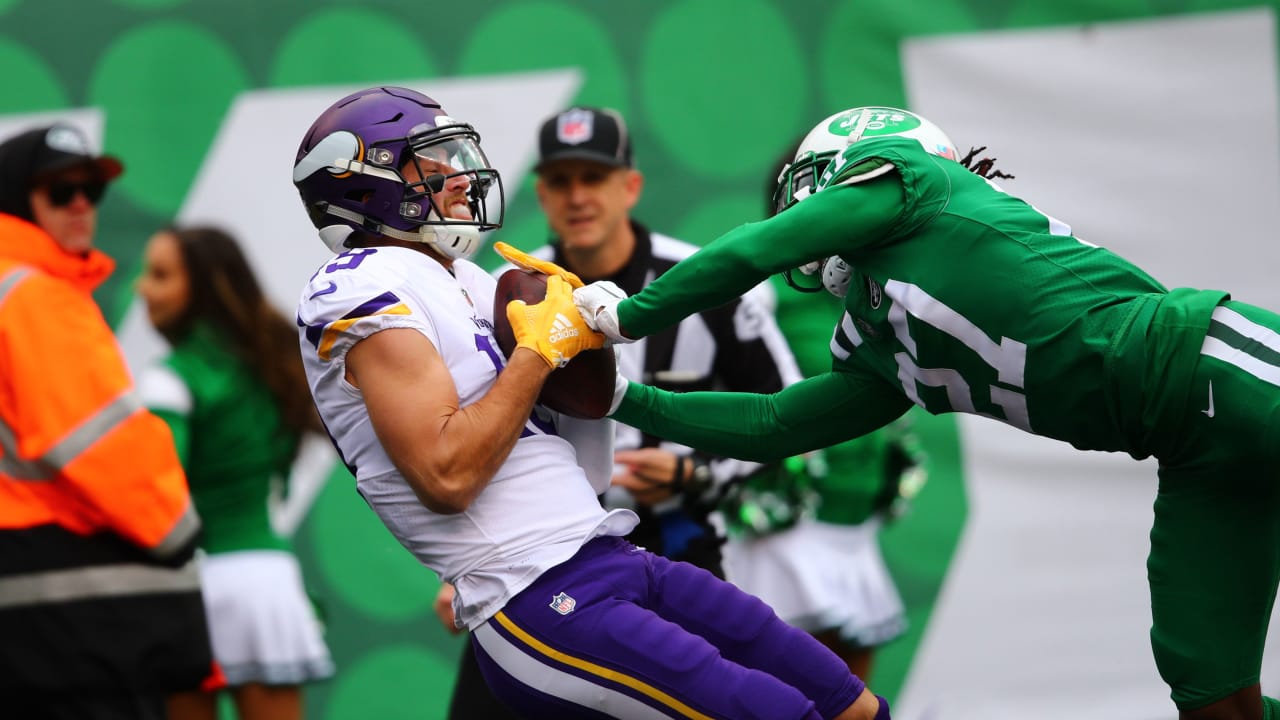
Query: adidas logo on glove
562 328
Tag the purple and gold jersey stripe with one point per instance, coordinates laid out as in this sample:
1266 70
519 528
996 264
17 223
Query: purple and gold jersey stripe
323 336
642 696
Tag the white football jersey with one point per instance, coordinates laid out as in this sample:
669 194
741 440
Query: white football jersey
536 511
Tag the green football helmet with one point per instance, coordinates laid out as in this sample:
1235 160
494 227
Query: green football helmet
799 179
830 137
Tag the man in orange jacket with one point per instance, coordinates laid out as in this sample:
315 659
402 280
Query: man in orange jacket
100 607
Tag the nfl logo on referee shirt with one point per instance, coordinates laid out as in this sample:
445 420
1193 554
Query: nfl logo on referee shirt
563 604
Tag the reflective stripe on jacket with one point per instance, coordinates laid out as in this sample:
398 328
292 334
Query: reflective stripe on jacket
98 588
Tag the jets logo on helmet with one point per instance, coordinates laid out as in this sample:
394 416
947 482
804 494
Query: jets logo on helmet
872 121
868 122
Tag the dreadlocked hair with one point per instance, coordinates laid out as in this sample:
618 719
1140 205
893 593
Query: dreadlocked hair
226 294
986 167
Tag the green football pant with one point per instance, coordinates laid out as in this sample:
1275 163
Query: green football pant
1215 543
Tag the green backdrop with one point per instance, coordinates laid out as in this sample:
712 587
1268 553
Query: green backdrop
713 90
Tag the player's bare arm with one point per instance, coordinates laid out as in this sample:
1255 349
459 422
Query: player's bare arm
446 452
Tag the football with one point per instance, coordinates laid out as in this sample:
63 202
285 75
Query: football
583 388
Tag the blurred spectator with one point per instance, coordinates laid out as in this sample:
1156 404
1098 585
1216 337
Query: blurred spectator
100 606
234 394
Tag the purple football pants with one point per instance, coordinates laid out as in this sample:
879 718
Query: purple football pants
618 632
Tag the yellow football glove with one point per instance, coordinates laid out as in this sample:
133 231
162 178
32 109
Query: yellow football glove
524 260
552 328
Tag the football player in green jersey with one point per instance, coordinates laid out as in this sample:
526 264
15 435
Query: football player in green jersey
962 298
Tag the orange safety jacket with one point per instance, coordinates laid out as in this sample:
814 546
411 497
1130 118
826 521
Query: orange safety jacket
98 584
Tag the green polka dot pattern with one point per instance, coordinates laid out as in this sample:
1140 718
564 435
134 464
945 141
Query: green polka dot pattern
30 84
566 37
349 45
174 114
150 4
860 52
713 89
717 215
424 675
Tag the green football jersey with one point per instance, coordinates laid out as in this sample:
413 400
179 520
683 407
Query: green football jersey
963 299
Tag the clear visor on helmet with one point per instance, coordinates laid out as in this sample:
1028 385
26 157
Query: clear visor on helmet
448 180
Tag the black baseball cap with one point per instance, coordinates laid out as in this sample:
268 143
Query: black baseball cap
585 133
32 155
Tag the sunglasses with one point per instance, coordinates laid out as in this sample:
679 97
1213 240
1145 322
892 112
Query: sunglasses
62 193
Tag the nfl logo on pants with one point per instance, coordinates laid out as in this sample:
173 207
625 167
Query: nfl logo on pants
563 604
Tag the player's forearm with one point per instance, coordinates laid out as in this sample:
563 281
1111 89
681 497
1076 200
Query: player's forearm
811 414
473 441
717 274
741 425
724 269
841 221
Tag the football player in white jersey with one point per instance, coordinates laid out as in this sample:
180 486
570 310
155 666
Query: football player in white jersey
493 492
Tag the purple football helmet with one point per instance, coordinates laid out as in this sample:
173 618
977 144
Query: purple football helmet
351 173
